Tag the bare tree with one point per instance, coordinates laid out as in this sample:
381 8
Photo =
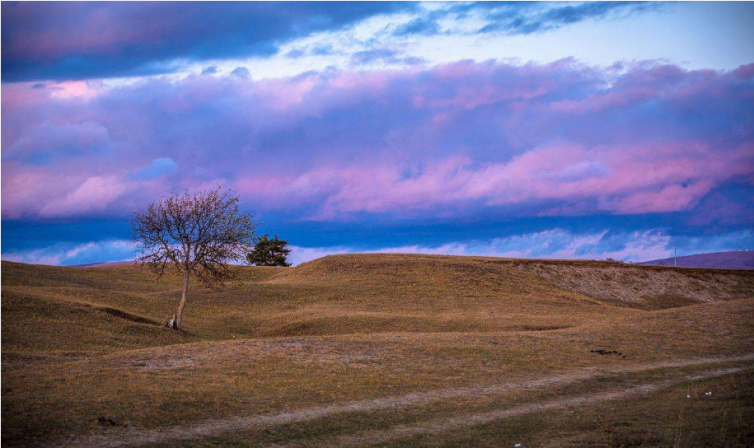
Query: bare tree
196 234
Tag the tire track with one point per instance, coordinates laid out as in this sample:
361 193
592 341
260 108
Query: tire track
212 428
441 426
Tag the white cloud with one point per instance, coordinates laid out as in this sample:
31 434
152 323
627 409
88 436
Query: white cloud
553 243
73 254
300 255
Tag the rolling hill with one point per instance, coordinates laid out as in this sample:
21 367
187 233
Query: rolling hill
387 339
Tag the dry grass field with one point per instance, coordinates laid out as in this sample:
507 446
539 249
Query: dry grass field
381 350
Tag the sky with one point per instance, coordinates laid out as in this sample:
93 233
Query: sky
594 130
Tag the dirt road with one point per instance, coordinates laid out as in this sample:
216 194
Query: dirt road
120 437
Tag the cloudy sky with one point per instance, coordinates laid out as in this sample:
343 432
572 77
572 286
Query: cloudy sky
563 130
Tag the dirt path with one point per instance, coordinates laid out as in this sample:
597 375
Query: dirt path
211 428
446 425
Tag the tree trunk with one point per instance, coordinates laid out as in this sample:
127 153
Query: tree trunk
179 313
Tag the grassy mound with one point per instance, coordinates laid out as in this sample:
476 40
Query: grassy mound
85 355
120 306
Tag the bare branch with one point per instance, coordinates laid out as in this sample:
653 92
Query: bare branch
198 234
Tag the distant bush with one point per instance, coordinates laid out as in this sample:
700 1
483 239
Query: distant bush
269 252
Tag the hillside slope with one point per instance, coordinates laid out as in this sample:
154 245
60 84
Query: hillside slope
115 307
618 284
391 340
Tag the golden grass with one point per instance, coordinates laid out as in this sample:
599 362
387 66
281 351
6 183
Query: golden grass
84 343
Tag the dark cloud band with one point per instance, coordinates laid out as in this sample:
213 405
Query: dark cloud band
58 41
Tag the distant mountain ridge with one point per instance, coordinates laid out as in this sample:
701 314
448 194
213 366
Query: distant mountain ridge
101 263
723 260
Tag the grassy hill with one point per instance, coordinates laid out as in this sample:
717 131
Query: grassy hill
84 344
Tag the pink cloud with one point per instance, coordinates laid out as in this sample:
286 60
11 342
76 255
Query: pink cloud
552 139
621 179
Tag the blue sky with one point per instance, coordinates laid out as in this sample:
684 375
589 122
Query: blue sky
562 130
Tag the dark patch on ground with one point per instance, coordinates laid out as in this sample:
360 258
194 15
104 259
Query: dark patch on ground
106 421
545 327
665 301
608 352
128 316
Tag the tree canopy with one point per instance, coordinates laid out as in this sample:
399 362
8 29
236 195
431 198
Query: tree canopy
269 252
